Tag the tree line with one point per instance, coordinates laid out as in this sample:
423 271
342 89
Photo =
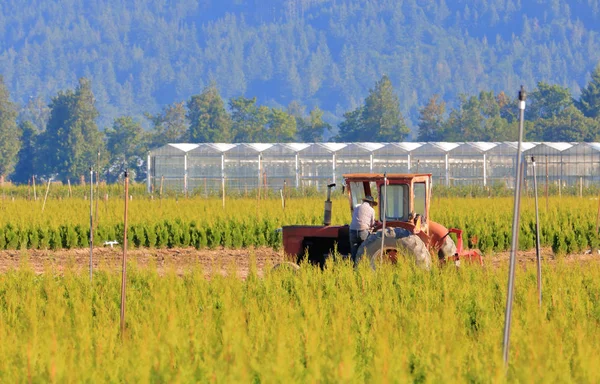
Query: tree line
62 139
142 55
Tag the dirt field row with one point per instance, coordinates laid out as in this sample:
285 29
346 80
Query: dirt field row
211 261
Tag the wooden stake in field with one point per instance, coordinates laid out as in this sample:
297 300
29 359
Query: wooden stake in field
162 180
283 196
34 193
97 190
69 184
91 221
46 197
124 270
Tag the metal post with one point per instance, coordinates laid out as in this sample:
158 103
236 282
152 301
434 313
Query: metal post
297 172
484 170
598 215
447 171
333 177
515 231
383 206
408 162
91 221
97 189
124 270
148 176
538 256
371 163
546 183
185 175
223 176
259 172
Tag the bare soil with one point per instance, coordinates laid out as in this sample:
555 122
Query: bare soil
216 261
164 260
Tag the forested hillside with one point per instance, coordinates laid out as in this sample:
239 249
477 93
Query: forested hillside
142 55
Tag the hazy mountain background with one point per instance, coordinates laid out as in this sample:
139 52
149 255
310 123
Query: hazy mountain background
141 55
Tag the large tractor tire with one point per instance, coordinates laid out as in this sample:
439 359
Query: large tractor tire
397 243
447 249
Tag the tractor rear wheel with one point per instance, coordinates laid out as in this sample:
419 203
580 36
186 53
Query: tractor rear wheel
397 243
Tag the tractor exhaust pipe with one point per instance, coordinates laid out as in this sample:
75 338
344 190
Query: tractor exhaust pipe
327 214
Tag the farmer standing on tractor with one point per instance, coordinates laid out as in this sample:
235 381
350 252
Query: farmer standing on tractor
363 219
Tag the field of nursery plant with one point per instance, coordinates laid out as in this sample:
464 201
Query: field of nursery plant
340 324
395 324
568 224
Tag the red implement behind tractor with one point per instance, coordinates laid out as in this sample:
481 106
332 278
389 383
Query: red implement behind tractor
406 227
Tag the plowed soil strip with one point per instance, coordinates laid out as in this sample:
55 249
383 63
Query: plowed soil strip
220 261
164 260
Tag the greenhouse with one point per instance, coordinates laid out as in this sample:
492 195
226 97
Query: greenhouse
213 167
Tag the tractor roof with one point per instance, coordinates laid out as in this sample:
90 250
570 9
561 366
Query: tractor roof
379 176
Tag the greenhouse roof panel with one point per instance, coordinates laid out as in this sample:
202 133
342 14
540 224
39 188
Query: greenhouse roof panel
297 147
371 147
548 148
332 147
594 146
184 147
407 147
446 147
510 147
482 146
259 147
222 147
436 148
583 149
559 146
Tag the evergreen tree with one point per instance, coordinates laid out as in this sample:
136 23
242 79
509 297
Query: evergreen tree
281 127
26 162
36 112
249 120
589 101
169 126
127 145
209 121
478 118
313 129
431 120
382 119
509 108
547 101
10 135
569 125
351 128
71 142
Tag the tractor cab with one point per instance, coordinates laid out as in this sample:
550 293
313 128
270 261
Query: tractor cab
403 202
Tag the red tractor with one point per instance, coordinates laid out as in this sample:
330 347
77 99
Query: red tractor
406 227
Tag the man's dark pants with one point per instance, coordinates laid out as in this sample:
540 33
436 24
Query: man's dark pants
356 239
